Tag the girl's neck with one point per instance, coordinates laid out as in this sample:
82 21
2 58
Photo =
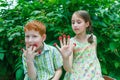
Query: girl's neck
81 38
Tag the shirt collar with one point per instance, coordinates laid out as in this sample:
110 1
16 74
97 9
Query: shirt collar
45 49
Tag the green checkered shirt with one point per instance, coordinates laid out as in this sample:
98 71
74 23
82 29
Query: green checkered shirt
46 63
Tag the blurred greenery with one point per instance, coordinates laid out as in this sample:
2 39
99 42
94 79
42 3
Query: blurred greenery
56 14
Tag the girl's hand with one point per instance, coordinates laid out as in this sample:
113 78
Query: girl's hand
66 48
30 53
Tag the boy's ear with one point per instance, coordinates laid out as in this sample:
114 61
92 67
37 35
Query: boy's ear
44 37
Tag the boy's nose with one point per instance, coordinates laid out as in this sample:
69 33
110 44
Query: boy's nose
30 39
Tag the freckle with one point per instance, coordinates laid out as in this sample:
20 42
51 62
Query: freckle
80 57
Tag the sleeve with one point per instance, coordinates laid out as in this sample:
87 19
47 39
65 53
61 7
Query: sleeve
95 39
25 67
57 59
24 64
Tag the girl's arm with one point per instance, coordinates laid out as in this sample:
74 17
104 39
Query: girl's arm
67 63
58 74
66 51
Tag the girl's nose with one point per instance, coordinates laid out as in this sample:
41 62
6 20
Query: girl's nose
75 24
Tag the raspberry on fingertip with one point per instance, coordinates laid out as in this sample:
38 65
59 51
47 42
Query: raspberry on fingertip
60 38
68 36
54 44
74 44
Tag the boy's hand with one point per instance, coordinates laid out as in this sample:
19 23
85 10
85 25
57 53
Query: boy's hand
66 48
30 53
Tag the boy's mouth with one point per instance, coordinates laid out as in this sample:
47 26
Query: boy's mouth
37 49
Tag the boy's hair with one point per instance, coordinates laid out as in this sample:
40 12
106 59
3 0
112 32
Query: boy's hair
35 25
86 17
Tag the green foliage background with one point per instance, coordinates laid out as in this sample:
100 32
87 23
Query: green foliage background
56 14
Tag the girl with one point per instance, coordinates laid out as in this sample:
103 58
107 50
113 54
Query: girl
80 60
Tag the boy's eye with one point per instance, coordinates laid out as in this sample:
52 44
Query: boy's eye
27 36
73 22
34 36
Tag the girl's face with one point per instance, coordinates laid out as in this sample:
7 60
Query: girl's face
78 24
33 38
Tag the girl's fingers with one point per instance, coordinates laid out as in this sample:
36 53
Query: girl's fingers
68 39
60 39
55 44
64 39
73 45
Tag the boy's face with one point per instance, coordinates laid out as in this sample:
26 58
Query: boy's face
33 38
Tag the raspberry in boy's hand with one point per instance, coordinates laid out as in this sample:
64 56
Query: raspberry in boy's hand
38 50
35 45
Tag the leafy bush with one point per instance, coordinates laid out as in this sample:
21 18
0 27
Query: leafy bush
56 14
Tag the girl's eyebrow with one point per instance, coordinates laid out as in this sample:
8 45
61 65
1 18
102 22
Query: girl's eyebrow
78 20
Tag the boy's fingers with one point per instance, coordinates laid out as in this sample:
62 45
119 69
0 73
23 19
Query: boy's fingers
34 48
36 53
24 51
60 39
29 48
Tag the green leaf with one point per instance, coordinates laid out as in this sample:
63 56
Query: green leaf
1 56
1 29
19 74
13 36
116 34
117 64
35 12
104 69
113 46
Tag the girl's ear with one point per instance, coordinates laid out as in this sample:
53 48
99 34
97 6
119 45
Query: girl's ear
43 37
87 24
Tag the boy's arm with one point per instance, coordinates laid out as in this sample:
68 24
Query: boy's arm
29 55
31 71
58 74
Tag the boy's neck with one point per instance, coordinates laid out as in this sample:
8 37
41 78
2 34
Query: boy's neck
40 48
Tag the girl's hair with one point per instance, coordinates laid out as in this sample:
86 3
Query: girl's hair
86 17
35 25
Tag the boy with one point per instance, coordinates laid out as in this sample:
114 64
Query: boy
40 61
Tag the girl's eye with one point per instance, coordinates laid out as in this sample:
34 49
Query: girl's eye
79 22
